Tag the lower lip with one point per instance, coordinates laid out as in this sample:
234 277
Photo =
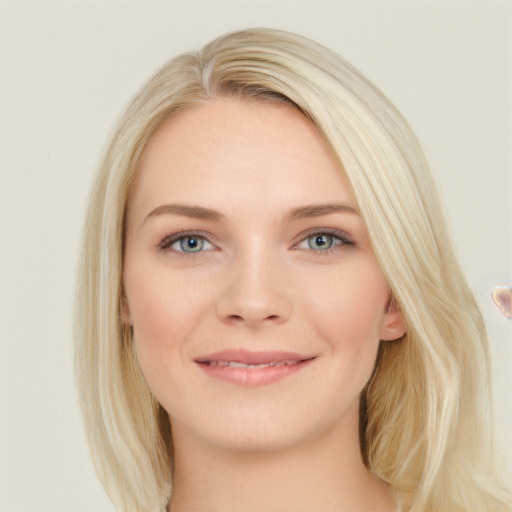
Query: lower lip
253 376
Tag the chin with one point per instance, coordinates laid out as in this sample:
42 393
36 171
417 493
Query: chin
264 430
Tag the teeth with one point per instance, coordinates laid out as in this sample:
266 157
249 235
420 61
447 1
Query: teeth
234 364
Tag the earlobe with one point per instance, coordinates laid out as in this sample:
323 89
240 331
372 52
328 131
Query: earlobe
393 324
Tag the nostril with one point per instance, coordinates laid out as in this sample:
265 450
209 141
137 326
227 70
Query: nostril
243 306
240 319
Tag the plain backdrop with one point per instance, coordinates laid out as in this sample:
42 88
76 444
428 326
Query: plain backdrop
67 69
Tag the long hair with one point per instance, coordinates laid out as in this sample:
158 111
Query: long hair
426 422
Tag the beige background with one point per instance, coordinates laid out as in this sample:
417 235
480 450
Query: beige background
68 67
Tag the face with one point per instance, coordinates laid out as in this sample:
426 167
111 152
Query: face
256 301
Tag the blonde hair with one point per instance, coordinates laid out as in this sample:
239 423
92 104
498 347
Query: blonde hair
426 416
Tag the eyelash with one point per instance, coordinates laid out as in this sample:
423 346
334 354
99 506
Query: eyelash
168 241
341 239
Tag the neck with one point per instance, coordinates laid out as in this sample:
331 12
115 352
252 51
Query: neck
326 473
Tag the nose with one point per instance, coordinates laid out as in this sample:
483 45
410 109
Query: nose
255 292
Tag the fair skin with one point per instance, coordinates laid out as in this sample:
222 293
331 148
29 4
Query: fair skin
243 237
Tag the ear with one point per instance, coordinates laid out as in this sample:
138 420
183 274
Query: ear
393 325
502 296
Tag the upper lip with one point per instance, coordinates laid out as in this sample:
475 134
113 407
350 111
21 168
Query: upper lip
250 357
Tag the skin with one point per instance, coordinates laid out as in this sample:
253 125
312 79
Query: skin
259 283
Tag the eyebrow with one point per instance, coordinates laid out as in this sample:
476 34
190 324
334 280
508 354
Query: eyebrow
199 212
195 212
317 210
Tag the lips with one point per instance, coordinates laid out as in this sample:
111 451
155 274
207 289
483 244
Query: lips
236 364
248 358
252 368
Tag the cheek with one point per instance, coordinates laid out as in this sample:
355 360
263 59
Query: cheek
347 316
163 312
350 305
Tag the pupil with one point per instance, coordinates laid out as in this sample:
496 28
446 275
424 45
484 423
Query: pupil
191 244
321 240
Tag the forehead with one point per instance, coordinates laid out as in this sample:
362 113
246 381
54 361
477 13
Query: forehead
230 148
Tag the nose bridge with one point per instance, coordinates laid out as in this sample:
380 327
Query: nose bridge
255 290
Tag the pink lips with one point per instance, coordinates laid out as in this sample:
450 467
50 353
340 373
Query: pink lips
252 368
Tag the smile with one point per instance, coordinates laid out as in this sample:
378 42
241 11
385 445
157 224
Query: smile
252 368
235 364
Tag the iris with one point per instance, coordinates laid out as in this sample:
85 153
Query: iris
191 244
320 242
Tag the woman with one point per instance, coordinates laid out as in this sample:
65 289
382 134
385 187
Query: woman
270 315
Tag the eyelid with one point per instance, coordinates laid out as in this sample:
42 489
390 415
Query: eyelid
167 241
337 233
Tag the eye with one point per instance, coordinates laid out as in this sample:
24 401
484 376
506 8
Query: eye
320 242
324 240
189 243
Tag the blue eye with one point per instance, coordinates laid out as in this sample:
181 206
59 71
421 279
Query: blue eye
188 243
320 242
324 240
191 244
